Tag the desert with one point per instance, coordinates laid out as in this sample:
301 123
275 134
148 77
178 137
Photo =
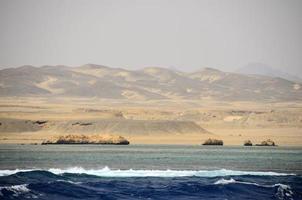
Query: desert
142 108
152 99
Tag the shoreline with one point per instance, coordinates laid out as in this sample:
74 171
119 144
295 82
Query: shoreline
162 144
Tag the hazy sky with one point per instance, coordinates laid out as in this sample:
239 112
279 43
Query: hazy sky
186 34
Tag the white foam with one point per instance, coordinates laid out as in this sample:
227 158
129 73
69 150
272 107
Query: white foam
66 181
107 172
224 181
10 172
16 189
283 191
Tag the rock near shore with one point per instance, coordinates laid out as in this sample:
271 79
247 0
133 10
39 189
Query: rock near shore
213 142
268 142
248 143
88 139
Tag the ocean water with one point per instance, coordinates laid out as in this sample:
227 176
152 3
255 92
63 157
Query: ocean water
149 172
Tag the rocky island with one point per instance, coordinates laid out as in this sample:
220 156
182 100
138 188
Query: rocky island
87 139
268 142
248 143
213 142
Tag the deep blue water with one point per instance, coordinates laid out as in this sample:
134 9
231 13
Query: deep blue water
46 185
149 172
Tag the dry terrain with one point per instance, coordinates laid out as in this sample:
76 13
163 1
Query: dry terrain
33 119
151 105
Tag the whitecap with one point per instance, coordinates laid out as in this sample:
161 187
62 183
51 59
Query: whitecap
107 172
224 181
10 172
283 191
16 189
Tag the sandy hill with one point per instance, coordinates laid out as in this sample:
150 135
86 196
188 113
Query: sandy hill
150 83
103 126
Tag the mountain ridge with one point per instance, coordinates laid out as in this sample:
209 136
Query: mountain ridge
265 70
93 80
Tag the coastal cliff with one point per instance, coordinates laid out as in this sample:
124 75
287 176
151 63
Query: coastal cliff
87 139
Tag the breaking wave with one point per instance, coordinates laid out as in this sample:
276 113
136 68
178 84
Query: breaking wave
15 189
107 172
79 183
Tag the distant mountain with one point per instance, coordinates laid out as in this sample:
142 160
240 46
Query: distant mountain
149 83
265 70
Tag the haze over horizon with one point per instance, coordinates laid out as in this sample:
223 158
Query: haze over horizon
186 35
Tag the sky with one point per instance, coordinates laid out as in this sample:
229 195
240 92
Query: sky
184 34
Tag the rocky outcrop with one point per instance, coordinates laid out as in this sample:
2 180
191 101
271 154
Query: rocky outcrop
248 143
213 142
40 122
87 139
268 142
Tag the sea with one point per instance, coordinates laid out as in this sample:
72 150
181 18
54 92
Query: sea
150 172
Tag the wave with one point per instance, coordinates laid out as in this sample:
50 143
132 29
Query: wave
15 189
72 183
9 172
107 172
224 181
283 191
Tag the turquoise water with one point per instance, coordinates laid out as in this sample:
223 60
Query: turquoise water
155 157
149 172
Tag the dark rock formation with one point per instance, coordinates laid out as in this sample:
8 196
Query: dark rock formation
88 139
268 142
213 142
40 122
248 143
82 124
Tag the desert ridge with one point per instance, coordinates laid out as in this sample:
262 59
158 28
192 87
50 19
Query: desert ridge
150 83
